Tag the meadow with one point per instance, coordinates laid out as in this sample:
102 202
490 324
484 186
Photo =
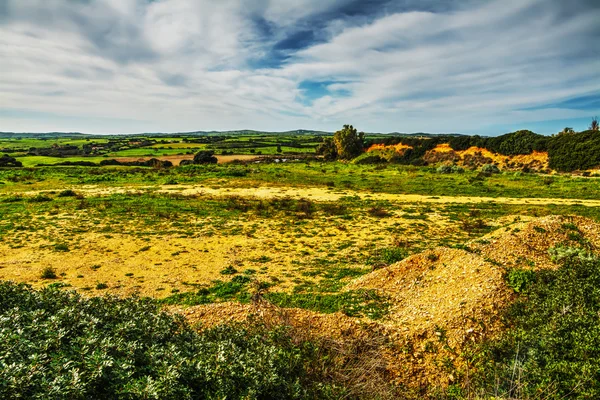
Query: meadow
212 240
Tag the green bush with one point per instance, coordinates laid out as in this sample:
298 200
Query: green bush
444 169
577 151
520 279
48 273
60 345
387 256
67 193
552 346
490 169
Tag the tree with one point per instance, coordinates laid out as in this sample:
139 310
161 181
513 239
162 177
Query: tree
205 157
594 125
327 149
8 161
348 142
567 130
278 148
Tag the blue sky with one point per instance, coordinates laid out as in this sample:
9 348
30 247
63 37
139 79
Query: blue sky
469 66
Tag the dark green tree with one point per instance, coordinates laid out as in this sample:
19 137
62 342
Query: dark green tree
349 142
567 130
205 157
594 126
327 149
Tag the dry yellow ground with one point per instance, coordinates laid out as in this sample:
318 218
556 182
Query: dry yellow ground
441 300
172 262
316 194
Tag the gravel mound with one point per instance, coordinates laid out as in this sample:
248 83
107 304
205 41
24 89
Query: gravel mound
526 245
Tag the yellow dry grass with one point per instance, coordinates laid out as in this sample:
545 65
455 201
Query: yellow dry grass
442 299
315 193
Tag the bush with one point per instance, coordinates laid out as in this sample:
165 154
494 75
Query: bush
205 157
70 346
444 169
48 273
67 193
520 279
490 169
553 339
577 151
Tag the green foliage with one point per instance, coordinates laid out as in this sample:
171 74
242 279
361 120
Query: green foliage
552 346
67 193
444 169
205 157
48 273
356 303
229 270
490 169
327 149
349 142
62 247
60 345
520 279
577 151
519 142
387 256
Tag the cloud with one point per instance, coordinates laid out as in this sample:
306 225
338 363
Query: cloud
406 65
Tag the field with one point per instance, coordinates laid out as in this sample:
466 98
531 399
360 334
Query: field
401 254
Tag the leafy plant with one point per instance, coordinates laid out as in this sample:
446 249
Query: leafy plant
520 279
49 273
551 348
69 346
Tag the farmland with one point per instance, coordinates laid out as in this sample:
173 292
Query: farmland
415 259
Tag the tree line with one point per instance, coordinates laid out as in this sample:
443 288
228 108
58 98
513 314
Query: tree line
567 150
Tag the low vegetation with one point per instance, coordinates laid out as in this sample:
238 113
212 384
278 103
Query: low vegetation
551 347
309 265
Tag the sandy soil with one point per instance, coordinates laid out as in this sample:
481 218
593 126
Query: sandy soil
319 194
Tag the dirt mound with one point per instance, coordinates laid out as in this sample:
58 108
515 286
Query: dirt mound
438 288
440 300
526 245
336 325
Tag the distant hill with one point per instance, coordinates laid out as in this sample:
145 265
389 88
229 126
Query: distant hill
55 135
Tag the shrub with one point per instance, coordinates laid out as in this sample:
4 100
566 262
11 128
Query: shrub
520 279
490 169
444 169
67 193
70 346
378 212
205 157
457 169
229 270
553 339
61 247
48 273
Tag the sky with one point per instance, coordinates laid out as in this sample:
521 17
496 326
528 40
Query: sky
442 66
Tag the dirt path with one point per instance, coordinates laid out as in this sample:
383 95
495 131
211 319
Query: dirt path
318 194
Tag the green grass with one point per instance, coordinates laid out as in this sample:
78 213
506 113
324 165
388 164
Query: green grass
338 176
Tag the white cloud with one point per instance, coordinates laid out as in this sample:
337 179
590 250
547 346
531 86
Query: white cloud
175 65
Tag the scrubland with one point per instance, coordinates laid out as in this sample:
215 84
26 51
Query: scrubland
298 279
